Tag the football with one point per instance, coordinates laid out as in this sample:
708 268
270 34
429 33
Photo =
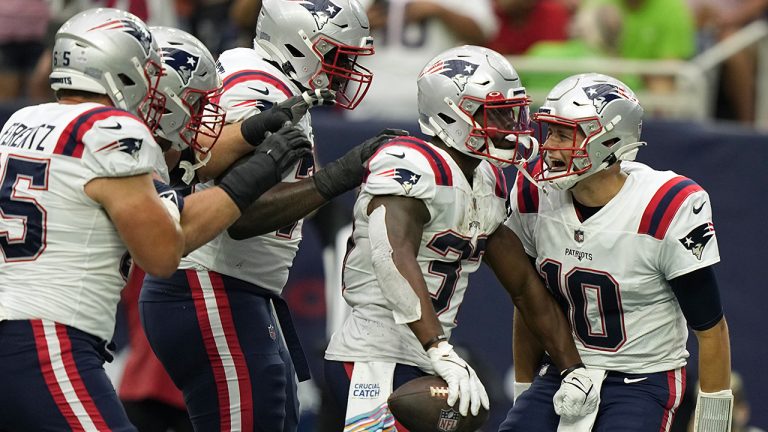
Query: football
421 406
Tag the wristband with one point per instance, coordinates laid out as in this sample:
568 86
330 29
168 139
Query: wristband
439 338
565 373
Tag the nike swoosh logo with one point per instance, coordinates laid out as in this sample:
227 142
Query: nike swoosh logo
117 126
265 91
634 380
696 210
399 156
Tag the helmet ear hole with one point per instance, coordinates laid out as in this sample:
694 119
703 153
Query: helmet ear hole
294 51
609 143
125 79
446 118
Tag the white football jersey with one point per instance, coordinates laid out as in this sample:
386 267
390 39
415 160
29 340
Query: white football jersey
61 252
611 271
252 85
452 246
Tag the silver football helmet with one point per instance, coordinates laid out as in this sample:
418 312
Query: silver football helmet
189 83
110 52
472 99
608 115
317 43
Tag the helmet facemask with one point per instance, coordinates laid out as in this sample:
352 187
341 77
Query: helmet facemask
339 71
577 159
500 129
152 107
206 118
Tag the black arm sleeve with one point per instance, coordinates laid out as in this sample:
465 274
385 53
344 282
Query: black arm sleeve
699 298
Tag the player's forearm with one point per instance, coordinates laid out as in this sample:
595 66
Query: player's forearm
230 147
206 214
282 205
526 350
546 321
714 358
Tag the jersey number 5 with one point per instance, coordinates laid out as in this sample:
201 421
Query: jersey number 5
594 304
25 240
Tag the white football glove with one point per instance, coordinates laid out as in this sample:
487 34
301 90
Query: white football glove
577 396
463 383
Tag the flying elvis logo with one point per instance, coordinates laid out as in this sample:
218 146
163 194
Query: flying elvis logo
460 71
602 94
139 32
183 62
406 178
322 10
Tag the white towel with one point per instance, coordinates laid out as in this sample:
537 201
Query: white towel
584 424
369 388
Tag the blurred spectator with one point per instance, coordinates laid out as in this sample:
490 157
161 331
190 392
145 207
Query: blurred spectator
741 407
244 14
594 33
406 34
153 12
22 33
210 22
717 20
656 30
151 400
525 22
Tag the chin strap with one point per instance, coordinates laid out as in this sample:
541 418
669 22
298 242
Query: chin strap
190 168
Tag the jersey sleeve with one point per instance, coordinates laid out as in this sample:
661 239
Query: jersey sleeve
397 169
690 242
522 209
248 89
120 145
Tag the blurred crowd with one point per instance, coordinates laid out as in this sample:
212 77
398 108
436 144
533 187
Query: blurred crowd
408 31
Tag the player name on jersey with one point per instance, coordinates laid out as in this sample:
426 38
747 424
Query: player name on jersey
19 135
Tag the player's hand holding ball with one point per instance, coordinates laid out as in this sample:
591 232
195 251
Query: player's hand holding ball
463 383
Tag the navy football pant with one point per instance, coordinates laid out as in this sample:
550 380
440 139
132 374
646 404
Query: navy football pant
338 375
628 403
52 379
222 347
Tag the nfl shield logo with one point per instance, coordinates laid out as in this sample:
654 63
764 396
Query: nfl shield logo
449 420
578 235
272 332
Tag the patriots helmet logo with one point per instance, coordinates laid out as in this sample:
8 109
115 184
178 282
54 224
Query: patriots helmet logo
406 178
322 10
183 62
133 28
262 105
130 146
604 93
698 238
458 70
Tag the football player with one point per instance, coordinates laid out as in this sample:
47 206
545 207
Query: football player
427 215
628 252
77 191
233 366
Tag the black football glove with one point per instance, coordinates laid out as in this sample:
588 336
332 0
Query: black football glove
346 172
280 151
255 128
